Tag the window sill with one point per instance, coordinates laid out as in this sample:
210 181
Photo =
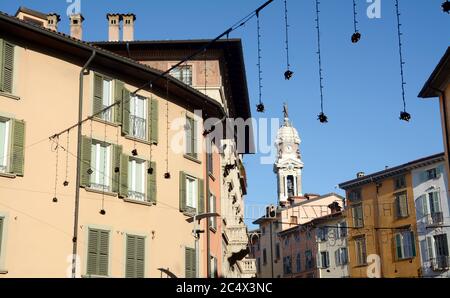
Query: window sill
108 193
360 266
100 120
3 271
147 142
138 202
95 276
192 158
405 259
7 175
9 95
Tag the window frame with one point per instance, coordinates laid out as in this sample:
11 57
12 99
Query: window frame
133 99
132 191
6 144
97 170
110 100
194 182
360 222
179 74
361 256
404 255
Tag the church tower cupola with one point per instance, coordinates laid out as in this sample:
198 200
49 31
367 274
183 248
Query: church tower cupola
288 165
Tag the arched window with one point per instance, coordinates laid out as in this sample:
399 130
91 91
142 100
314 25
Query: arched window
290 186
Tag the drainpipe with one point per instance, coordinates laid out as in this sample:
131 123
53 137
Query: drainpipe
208 244
78 180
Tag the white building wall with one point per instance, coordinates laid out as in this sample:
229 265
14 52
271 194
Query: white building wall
422 186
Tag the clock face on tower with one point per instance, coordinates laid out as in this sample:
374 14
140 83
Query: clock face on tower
288 148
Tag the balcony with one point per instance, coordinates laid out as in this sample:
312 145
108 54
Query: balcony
238 237
435 219
247 268
440 263
138 127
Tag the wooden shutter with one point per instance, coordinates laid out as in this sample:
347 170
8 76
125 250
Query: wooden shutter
201 196
104 253
123 181
398 246
126 112
190 264
98 252
182 186
7 66
86 144
413 244
117 153
194 139
153 112
151 183
402 205
118 96
135 257
98 95
92 258
17 147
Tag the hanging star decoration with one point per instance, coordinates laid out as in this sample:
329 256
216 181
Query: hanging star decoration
260 108
356 37
446 6
405 116
322 118
288 74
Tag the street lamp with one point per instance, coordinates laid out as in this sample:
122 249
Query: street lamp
196 233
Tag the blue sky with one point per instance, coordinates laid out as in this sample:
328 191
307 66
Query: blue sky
362 81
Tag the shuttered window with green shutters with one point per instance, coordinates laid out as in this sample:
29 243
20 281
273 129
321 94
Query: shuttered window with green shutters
153 122
12 146
151 182
191 265
135 257
98 253
401 205
192 194
191 137
6 66
405 247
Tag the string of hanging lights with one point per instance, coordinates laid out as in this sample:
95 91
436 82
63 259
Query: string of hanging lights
150 169
56 149
288 73
404 115
103 211
66 180
446 6
356 36
260 106
321 117
167 173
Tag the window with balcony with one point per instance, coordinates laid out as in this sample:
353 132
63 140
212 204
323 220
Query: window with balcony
138 117
361 253
441 252
100 166
405 247
183 73
429 207
136 179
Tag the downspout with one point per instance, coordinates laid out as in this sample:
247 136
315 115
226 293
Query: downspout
78 180
208 244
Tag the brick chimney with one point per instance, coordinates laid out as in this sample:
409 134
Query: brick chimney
335 207
53 20
76 28
114 26
128 26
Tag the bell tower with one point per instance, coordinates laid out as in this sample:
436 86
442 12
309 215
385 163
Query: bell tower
288 165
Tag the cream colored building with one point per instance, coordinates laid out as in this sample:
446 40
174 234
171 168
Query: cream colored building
137 188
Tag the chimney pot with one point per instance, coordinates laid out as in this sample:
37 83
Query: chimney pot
53 20
128 26
76 28
360 175
114 26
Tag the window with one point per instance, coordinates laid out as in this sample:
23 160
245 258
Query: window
405 247
190 263
341 256
429 206
12 141
183 73
136 179
138 117
135 262
432 174
191 192
210 159
309 262
441 251
358 216
4 144
264 257
191 137
401 205
322 234
6 66
100 166
214 273
354 195
212 209
361 254
434 202
342 229
290 186
1 234
287 265
324 259
98 253
298 263
297 237
277 251
400 182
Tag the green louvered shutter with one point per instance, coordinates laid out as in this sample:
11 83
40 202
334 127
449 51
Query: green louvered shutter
103 253
182 192
190 264
18 147
151 183
194 139
398 246
85 161
7 66
1 234
153 120
118 96
126 112
92 258
98 95
117 153
413 244
140 257
123 187
201 196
